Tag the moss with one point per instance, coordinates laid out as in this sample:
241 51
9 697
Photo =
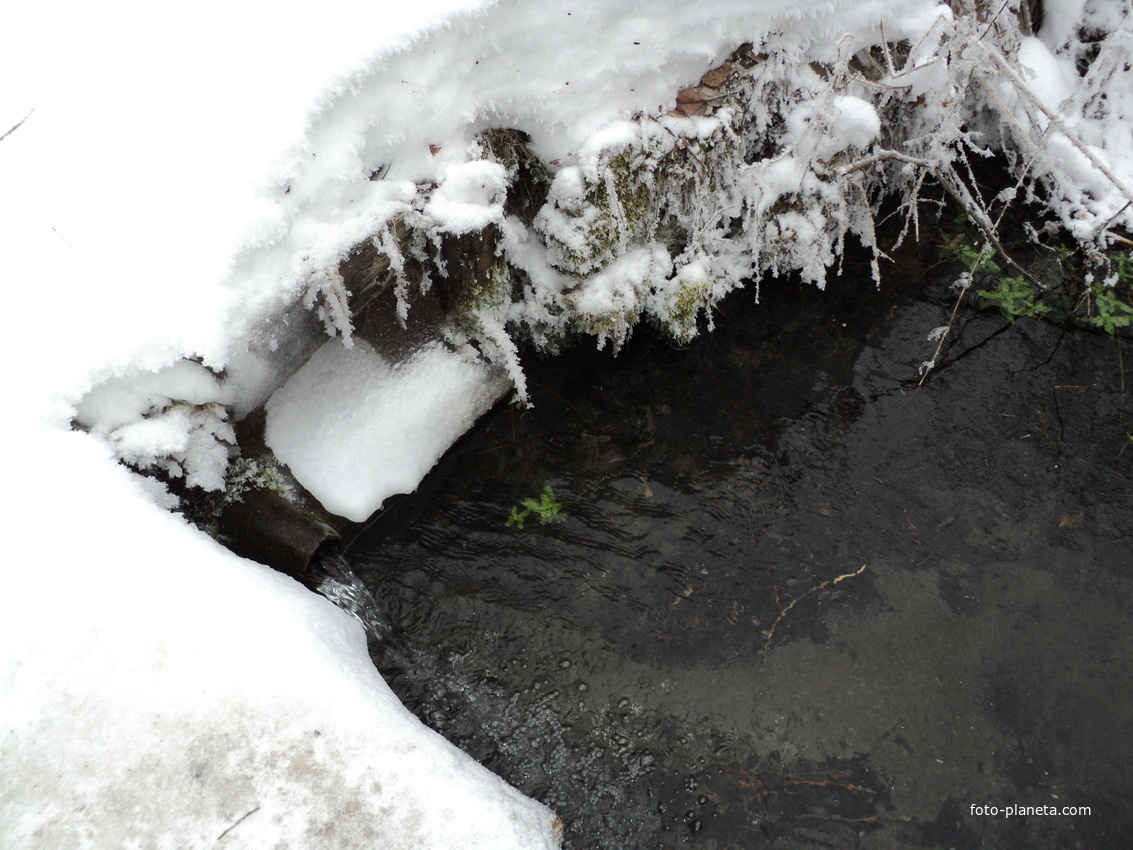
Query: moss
642 194
507 147
609 220
612 327
246 475
634 180
528 178
487 294
680 316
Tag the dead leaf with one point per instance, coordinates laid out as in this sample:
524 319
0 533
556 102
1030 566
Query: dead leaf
691 103
717 76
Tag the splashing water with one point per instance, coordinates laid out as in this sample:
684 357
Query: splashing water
342 587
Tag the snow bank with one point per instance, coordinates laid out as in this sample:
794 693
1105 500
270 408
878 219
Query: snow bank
155 690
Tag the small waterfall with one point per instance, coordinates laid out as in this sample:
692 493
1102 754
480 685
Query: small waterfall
342 587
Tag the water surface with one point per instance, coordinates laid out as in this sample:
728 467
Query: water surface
799 601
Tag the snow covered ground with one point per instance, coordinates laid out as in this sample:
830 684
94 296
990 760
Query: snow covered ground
171 182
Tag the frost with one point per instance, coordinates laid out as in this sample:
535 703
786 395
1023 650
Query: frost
327 295
937 334
171 420
773 162
179 440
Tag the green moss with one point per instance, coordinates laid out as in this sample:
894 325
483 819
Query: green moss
683 310
510 149
486 296
248 474
633 182
609 222
613 326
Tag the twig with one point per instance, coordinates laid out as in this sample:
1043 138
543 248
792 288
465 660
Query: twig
783 612
993 19
882 156
955 187
20 124
869 819
859 78
951 318
238 822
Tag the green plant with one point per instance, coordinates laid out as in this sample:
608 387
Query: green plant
976 261
546 507
1122 267
1112 312
1015 297
961 250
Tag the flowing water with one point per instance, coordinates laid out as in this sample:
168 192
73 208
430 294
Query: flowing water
346 590
798 600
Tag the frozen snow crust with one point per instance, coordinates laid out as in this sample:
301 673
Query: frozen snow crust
177 197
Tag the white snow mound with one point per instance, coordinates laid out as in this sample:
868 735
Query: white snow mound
355 429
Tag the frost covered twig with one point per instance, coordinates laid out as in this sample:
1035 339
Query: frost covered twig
328 290
941 334
886 156
1055 120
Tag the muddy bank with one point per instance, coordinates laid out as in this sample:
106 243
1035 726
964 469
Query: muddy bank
697 655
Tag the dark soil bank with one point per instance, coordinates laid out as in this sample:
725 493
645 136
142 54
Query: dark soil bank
799 601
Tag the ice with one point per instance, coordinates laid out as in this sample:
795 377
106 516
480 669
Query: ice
355 428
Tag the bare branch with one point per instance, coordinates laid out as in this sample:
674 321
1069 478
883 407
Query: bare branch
20 124
239 821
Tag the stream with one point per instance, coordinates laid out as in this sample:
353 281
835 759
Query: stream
798 600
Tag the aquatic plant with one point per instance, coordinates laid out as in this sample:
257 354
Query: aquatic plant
546 507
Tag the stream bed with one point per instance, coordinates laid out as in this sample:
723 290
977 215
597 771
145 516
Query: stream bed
798 600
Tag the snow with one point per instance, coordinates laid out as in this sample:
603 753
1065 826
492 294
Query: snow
154 689
355 428
176 189
852 122
469 197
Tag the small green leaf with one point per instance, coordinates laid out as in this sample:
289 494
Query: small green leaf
546 506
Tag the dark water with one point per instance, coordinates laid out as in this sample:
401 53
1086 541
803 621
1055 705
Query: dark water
798 601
